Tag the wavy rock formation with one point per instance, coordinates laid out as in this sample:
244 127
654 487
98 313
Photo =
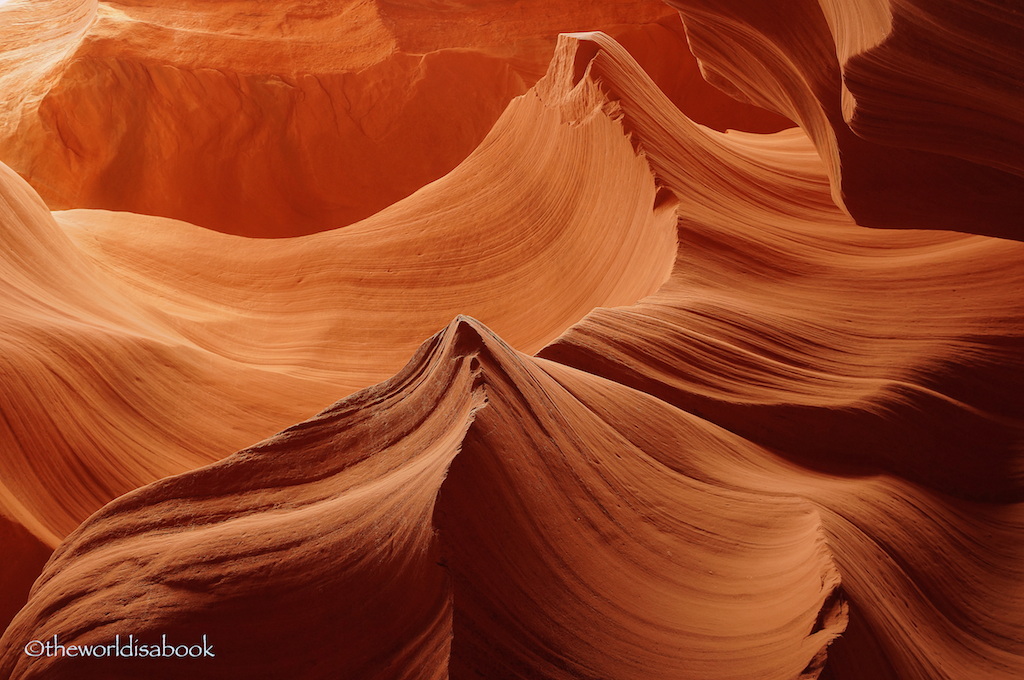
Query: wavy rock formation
120 327
553 545
846 350
914 105
268 119
708 425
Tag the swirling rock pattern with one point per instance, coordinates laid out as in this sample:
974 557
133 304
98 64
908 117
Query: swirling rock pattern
120 327
269 119
914 106
521 557
709 424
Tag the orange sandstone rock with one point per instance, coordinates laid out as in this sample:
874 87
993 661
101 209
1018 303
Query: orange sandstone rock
915 106
120 328
708 425
268 119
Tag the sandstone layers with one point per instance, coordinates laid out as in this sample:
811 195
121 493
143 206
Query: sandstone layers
617 393
278 119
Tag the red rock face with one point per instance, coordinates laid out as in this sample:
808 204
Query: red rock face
274 119
690 412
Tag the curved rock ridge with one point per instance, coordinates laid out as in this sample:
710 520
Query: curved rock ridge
931 582
890 360
553 546
721 427
268 119
121 327
914 105
786 258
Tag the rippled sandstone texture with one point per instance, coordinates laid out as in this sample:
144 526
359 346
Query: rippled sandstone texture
121 327
692 419
277 119
914 105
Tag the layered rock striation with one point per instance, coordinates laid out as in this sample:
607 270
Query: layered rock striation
705 403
